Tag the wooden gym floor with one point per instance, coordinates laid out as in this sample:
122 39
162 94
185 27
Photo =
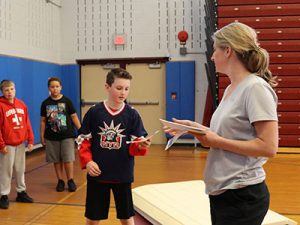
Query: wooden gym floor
181 163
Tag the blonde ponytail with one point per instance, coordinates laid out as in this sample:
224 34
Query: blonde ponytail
243 40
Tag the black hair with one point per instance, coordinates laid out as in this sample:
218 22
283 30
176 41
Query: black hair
53 79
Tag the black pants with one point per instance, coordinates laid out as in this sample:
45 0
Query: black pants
245 206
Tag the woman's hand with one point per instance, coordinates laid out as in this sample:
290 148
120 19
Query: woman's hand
173 132
93 169
208 139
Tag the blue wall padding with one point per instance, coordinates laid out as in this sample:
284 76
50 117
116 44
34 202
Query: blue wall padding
180 80
173 86
31 78
71 84
187 85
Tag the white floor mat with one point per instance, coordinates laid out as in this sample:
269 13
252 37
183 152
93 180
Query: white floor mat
183 203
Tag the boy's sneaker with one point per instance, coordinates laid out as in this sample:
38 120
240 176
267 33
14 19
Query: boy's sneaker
24 197
4 203
71 185
60 186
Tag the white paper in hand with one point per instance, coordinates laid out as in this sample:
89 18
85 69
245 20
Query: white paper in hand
183 130
143 139
172 140
178 126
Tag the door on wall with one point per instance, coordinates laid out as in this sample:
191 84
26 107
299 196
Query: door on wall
93 79
147 96
147 93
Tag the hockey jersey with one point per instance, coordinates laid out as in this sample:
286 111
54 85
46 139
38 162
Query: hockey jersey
104 133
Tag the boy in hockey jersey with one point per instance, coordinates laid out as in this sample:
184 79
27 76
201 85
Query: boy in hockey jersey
106 152
15 129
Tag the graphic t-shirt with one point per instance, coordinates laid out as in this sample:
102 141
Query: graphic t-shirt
58 120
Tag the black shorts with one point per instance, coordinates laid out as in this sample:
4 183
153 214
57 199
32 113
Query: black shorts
98 200
246 206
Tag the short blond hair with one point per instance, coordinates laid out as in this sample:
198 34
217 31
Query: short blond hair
6 83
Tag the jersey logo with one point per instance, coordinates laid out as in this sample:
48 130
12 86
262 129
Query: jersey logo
111 136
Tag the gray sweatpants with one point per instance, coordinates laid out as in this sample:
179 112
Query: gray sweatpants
13 161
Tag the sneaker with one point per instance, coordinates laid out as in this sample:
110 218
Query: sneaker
71 185
4 203
23 197
60 186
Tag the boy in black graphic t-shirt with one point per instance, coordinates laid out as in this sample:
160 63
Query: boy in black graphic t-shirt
57 134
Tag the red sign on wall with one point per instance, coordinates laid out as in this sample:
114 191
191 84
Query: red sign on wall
119 39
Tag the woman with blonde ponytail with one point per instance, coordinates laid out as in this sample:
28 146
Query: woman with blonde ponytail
243 130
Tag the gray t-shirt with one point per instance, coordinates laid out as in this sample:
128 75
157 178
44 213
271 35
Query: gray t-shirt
252 100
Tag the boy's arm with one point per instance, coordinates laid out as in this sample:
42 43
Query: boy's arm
84 141
2 143
84 147
29 131
75 120
42 129
139 149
